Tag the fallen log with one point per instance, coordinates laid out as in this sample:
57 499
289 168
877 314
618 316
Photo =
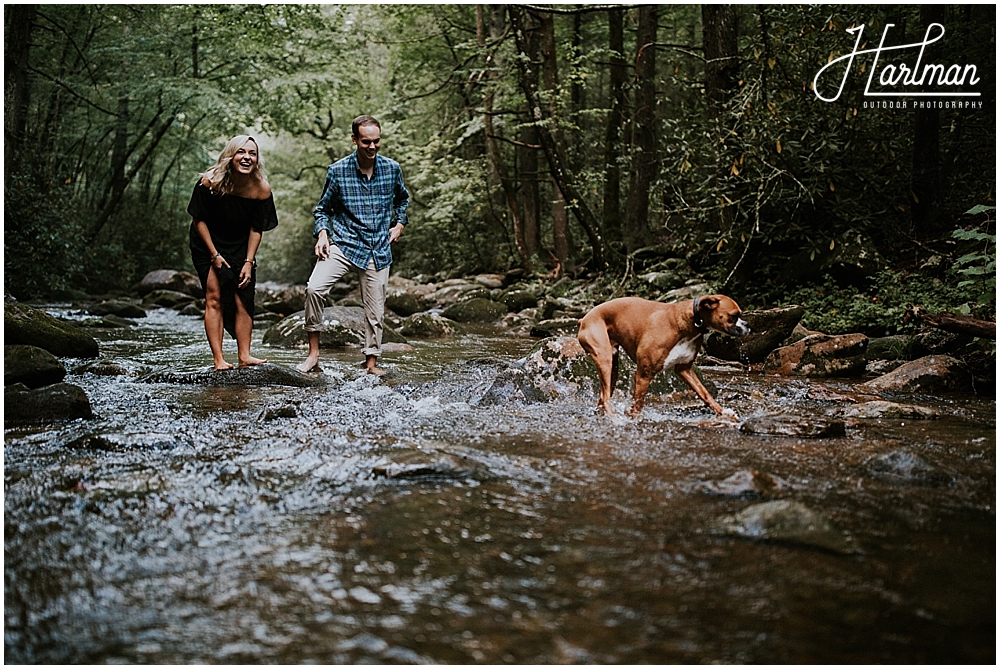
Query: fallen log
956 323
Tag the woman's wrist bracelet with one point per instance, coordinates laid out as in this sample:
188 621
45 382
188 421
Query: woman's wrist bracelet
250 260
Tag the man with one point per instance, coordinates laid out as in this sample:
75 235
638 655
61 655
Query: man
361 212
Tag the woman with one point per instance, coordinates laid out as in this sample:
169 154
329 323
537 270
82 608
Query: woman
231 207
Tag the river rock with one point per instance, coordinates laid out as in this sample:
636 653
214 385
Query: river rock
820 355
558 367
344 326
33 327
556 327
118 308
768 329
286 411
787 522
171 299
107 367
475 310
518 300
283 301
491 281
427 325
267 374
744 483
452 291
193 310
881 409
903 466
110 322
60 401
169 279
688 292
32 366
429 464
929 374
403 302
787 425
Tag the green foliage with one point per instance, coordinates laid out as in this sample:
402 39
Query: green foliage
979 267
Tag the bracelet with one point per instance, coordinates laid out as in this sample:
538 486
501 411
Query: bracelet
250 260
217 254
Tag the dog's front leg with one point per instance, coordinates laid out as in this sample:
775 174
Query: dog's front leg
687 373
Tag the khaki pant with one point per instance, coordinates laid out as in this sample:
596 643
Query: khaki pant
373 284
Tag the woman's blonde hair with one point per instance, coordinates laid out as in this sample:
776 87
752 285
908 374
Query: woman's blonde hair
218 178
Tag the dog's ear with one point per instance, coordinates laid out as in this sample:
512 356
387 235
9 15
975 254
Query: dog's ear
710 302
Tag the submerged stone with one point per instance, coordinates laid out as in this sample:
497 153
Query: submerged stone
904 466
428 464
744 483
787 522
787 425
882 409
259 375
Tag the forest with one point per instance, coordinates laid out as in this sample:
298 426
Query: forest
594 142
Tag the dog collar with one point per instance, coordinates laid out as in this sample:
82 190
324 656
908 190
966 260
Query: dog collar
698 323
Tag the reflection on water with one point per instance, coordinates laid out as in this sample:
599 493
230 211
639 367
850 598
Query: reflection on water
184 525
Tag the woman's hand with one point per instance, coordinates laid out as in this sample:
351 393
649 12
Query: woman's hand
246 273
218 262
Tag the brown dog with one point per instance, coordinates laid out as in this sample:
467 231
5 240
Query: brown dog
655 335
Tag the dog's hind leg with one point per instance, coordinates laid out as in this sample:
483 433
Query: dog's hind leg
598 346
614 372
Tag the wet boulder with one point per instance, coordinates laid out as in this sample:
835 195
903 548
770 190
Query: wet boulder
170 299
108 367
284 301
768 329
820 355
343 326
285 411
785 522
193 309
33 327
519 300
556 327
744 483
787 425
267 374
32 366
427 325
403 302
428 464
881 409
475 310
452 291
904 466
558 368
60 401
169 279
929 374
118 308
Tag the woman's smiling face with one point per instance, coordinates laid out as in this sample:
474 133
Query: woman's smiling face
245 158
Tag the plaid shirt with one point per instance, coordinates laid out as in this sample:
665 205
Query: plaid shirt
357 212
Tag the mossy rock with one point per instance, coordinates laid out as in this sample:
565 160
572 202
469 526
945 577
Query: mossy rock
33 327
34 367
428 325
60 401
476 310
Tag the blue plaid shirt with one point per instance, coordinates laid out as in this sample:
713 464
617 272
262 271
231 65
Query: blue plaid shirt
357 212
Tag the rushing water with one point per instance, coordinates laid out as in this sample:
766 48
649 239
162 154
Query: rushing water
186 524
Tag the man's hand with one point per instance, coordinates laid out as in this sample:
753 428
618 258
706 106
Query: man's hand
322 246
395 232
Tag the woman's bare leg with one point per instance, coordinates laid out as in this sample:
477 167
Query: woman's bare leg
213 320
244 332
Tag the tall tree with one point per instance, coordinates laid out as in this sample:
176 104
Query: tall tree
18 24
722 66
557 164
644 161
926 146
617 74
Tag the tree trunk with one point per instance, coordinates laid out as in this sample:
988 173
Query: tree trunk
492 151
528 75
926 148
644 164
613 129
530 201
722 66
18 24
561 239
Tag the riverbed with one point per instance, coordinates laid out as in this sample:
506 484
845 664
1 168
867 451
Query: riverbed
241 525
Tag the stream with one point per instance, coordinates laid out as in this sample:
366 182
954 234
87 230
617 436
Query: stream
189 524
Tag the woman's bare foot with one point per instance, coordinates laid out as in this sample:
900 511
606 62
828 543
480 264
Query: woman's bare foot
222 366
310 364
251 361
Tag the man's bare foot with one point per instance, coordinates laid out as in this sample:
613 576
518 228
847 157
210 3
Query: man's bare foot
310 364
251 361
222 366
371 367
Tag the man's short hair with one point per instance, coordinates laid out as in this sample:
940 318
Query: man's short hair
364 119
